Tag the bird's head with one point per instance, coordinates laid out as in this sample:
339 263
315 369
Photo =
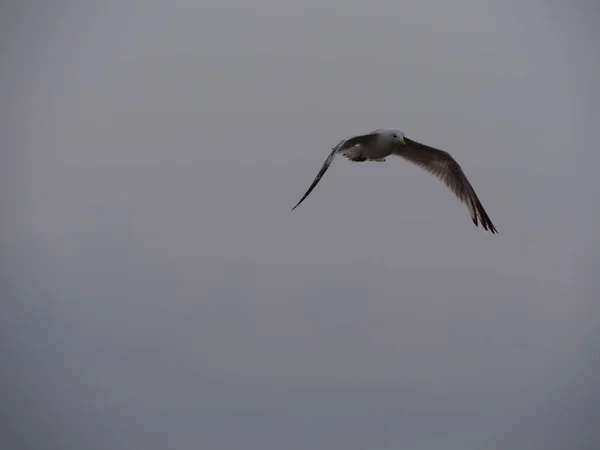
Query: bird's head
395 134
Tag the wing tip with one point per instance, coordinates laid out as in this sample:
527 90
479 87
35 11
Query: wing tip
488 226
486 223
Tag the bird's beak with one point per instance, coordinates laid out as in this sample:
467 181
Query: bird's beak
402 142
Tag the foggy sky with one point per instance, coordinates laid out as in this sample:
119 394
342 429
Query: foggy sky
157 292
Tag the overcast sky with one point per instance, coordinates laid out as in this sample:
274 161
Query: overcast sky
158 293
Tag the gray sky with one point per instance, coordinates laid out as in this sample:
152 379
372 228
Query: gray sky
158 293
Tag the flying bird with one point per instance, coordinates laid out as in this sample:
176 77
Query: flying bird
381 143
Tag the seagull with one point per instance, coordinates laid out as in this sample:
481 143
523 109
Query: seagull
383 142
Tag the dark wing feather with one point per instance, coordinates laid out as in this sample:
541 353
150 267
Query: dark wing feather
342 145
324 168
363 139
442 165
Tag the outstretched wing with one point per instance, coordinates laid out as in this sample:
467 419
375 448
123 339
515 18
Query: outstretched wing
324 168
443 166
343 145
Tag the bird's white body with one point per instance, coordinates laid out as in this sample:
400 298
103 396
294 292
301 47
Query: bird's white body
381 147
